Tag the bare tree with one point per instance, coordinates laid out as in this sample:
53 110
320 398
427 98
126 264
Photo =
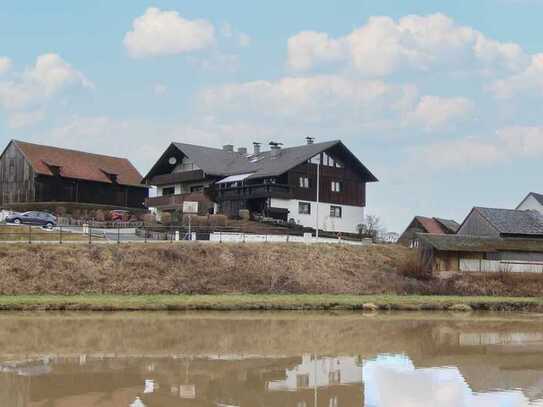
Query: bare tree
372 227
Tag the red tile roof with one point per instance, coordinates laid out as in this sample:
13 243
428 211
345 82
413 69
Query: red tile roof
79 164
431 225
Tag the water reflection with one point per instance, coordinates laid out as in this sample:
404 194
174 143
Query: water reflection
247 360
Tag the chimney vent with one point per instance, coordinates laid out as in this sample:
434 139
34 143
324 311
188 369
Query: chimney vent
309 140
256 148
242 150
275 149
228 147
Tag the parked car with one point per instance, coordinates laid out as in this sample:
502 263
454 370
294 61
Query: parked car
118 215
33 218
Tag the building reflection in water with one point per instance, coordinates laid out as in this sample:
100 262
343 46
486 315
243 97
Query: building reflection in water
372 362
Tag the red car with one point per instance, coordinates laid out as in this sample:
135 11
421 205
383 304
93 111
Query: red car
118 215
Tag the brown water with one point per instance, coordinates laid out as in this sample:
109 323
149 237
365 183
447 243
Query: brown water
270 359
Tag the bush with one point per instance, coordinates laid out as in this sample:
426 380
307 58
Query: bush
149 219
166 218
99 215
60 211
413 267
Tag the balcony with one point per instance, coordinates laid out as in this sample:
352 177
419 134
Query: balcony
281 191
177 177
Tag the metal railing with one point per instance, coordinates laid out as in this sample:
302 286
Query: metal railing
90 234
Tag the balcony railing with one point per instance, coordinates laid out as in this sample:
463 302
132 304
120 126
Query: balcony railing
255 191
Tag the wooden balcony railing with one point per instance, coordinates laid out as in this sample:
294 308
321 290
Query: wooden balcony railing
255 191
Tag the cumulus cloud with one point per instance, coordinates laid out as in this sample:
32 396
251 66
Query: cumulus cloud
5 65
508 143
529 80
159 32
433 112
334 101
383 46
25 96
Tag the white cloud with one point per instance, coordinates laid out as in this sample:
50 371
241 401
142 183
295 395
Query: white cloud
383 46
166 33
22 119
5 65
25 96
528 81
507 144
433 112
160 89
307 47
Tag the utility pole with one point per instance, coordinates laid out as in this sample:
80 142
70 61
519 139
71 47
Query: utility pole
318 196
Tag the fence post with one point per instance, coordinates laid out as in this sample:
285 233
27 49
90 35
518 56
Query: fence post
29 234
60 234
90 234
118 233
144 235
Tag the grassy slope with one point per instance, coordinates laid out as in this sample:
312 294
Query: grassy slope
248 302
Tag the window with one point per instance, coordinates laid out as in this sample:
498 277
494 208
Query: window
197 188
335 211
304 208
302 380
168 191
315 159
303 182
337 186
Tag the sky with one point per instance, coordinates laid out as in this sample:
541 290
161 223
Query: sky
442 101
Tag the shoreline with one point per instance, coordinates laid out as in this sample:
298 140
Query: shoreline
275 302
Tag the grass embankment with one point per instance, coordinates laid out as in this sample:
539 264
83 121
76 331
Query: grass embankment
240 302
244 276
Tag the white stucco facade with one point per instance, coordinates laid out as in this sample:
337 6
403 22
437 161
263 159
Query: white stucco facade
530 203
351 216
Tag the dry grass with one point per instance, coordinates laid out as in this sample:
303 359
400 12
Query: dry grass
199 269
263 269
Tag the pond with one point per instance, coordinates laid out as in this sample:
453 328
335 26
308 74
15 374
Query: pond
254 359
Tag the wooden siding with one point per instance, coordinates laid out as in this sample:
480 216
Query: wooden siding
353 188
475 224
16 177
19 184
177 178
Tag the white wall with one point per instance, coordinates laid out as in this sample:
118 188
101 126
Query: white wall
531 203
351 215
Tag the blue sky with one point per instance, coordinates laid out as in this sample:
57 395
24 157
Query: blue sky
441 100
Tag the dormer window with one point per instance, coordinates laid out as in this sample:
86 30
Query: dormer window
111 176
55 169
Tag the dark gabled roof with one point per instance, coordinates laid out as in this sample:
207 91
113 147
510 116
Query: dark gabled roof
452 226
430 224
219 162
513 221
79 164
470 243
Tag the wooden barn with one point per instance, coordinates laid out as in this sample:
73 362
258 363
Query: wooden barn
35 176
488 240
422 224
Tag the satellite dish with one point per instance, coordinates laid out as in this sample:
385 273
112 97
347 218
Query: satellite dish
172 160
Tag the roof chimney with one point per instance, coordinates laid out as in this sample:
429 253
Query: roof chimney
228 147
275 149
309 140
256 148
242 150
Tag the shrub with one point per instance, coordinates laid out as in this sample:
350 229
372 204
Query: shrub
149 218
413 267
166 218
99 215
60 211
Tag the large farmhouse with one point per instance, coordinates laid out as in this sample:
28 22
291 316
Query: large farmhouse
37 176
323 181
